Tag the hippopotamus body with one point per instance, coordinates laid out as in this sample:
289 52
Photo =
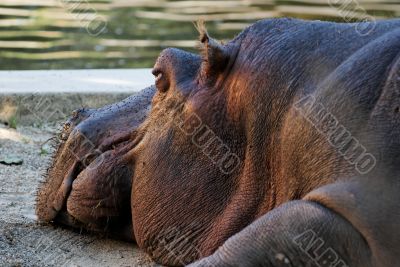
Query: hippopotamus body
278 148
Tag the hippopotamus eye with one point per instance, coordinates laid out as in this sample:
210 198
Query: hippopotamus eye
161 80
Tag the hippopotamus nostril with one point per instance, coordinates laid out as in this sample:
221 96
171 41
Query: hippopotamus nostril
78 116
81 114
76 113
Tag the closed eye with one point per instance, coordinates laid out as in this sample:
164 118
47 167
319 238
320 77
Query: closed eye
157 74
161 80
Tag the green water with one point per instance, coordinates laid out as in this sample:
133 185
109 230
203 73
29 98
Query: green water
72 34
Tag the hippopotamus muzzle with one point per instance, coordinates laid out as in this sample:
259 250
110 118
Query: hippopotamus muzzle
90 168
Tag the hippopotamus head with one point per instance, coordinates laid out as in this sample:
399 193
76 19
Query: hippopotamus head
169 168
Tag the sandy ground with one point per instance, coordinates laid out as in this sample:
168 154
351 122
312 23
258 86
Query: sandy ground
25 243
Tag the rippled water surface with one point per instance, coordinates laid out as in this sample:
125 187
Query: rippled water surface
60 34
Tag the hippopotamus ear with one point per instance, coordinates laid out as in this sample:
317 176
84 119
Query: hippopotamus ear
215 55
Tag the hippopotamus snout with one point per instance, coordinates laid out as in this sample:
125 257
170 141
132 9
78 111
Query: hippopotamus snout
89 163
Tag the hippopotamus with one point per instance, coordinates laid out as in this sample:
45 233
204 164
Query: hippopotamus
280 147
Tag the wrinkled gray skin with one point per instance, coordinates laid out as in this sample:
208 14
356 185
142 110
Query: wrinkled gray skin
301 195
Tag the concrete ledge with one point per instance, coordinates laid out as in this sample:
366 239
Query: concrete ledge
38 97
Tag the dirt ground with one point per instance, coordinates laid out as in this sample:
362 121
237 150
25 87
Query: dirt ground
23 242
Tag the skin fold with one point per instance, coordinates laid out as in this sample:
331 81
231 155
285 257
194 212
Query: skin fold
278 148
